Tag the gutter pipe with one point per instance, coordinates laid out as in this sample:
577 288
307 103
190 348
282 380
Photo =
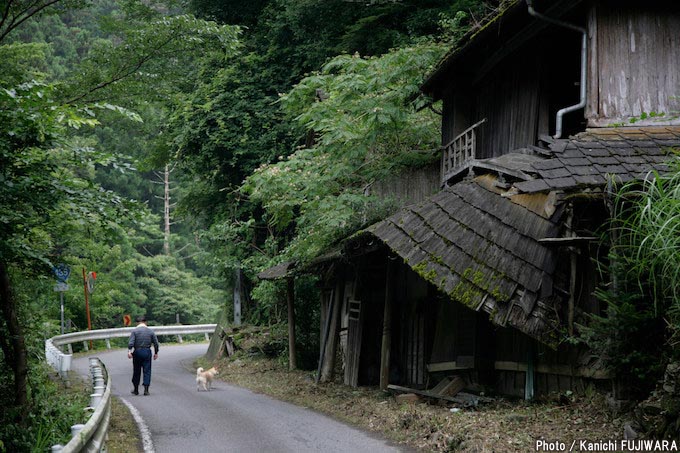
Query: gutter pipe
584 53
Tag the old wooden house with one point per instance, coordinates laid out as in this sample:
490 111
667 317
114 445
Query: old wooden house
545 108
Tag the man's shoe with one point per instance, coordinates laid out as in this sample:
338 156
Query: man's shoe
135 391
146 390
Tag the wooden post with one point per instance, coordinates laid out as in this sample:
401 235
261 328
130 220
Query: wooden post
326 310
387 325
328 365
572 275
237 297
529 374
290 295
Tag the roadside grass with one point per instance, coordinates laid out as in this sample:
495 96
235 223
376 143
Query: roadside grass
124 436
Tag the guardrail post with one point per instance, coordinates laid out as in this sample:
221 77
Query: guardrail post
108 343
75 429
85 346
95 399
57 448
179 338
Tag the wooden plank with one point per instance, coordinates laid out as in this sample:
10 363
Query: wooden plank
445 366
572 240
466 399
386 345
354 333
556 369
441 385
453 387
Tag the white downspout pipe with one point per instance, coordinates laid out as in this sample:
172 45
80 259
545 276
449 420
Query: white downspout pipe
584 53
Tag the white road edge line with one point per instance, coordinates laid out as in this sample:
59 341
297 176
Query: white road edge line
147 443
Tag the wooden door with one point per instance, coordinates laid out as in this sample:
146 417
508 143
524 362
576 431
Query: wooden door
415 350
354 331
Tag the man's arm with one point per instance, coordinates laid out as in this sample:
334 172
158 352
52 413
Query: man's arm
154 339
131 344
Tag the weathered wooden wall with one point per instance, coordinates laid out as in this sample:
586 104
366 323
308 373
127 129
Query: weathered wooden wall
409 186
519 96
635 62
567 368
509 99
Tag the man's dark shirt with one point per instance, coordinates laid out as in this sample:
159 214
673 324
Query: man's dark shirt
143 337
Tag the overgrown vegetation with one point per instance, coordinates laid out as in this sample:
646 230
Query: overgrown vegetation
54 409
53 207
640 331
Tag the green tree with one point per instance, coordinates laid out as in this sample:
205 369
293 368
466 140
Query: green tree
38 175
366 128
48 195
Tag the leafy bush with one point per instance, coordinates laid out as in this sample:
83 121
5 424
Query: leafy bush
642 323
53 410
629 338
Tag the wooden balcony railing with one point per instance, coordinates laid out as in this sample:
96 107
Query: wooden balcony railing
459 152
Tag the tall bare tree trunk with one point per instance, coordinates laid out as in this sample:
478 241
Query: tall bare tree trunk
166 210
15 349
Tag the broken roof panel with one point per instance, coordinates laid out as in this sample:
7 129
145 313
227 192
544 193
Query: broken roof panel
589 158
282 270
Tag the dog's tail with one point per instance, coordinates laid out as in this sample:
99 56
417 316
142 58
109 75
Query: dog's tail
199 370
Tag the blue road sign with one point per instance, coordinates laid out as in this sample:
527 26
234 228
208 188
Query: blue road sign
61 271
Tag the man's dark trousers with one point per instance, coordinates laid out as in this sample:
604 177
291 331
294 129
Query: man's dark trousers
141 360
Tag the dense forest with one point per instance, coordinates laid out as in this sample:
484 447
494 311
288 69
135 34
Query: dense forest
142 141
167 145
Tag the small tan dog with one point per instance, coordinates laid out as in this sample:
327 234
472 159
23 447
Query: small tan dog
204 378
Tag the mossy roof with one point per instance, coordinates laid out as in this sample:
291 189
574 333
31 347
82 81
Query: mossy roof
482 250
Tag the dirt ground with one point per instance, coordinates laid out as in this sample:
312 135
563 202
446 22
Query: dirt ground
498 426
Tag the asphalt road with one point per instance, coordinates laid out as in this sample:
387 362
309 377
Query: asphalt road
226 419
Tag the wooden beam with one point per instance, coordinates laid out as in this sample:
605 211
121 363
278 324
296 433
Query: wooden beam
387 325
445 366
465 399
561 370
567 241
290 296
328 365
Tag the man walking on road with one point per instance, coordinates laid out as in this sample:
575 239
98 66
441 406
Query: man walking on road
139 350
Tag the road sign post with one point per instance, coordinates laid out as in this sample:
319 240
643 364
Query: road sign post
87 301
61 271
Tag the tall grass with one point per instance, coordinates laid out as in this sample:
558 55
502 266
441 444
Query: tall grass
647 246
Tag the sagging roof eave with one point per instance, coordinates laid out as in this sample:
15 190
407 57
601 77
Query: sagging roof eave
464 46
549 335
469 43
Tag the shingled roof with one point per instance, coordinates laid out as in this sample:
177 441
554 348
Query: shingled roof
586 160
482 250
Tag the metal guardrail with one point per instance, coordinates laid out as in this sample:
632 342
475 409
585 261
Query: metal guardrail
91 436
104 334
